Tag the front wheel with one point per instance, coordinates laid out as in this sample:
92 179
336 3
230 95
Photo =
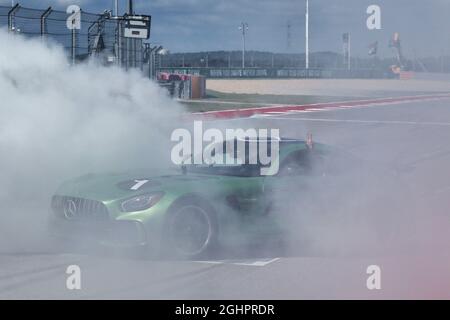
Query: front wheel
191 231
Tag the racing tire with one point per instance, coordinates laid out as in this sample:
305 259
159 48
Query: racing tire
191 230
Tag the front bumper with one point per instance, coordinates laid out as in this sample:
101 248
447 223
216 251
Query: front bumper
116 233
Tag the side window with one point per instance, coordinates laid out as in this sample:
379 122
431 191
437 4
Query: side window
303 162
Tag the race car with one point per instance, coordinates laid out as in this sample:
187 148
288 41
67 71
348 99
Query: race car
185 213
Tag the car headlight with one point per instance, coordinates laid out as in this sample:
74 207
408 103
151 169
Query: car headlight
142 202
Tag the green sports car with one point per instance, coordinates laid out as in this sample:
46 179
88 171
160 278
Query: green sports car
187 212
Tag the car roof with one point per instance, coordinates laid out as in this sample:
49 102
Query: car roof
283 140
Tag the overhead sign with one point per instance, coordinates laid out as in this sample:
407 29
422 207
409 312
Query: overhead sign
137 27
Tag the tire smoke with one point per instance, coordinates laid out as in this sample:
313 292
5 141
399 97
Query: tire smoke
59 121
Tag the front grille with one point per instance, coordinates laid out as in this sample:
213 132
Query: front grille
71 208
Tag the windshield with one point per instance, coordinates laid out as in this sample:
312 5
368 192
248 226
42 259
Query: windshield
244 170
227 161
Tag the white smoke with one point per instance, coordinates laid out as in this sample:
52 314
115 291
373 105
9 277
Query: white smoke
59 121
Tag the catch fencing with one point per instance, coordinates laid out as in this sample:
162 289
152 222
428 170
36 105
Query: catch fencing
100 35
279 73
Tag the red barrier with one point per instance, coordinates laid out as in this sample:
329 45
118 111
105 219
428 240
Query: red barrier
406 75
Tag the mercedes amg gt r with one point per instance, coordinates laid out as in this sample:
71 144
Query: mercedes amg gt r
188 212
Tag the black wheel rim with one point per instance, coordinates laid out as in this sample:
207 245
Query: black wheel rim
191 230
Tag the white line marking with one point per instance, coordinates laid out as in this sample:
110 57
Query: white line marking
257 263
319 109
295 111
209 262
365 102
340 107
310 108
446 124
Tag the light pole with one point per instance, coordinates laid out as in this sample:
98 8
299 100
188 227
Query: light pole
244 28
130 7
307 35
116 8
349 64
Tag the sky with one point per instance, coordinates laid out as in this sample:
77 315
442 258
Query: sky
209 25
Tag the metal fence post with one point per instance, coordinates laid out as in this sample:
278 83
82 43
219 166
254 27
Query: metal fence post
119 43
74 45
11 14
127 53
151 62
43 21
141 55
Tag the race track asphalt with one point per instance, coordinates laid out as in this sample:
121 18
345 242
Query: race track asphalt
414 136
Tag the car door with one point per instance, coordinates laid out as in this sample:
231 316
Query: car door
297 185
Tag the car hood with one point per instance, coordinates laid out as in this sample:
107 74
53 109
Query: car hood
112 186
